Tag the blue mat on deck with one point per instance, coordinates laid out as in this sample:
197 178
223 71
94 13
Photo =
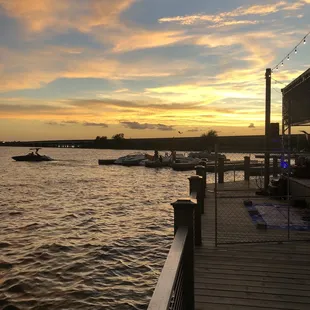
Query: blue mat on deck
275 216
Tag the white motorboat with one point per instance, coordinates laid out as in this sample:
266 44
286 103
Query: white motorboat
131 159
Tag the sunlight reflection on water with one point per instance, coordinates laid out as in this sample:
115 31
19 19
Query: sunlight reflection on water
78 235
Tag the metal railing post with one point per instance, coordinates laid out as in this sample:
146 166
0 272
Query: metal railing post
220 170
275 166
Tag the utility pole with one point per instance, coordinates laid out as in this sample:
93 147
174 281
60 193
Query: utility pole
267 129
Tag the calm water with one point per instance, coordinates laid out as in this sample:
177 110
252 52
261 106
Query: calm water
76 235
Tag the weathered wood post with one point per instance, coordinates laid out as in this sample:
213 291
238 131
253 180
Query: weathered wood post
247 168
220 170
195 191
201 170
184 216
275 166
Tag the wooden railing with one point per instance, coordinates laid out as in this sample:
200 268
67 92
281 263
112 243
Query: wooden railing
169 290
175 286
222 166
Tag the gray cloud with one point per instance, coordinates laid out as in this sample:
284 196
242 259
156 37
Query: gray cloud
90 124
140 126
70 122
251 126
164 127
193 130
92 103
53 123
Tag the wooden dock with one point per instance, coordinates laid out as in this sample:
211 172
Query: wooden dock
267 275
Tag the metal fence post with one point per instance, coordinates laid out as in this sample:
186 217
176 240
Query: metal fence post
215 193
275 166
184 216
220 170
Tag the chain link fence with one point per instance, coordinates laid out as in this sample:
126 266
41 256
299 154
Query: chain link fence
253 205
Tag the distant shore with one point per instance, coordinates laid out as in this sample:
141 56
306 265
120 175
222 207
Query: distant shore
226 143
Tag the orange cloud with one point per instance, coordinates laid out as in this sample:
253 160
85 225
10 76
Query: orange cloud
59 14
89 16
134 39
258 52
34 69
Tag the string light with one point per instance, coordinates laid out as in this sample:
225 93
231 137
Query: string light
278 82
294 50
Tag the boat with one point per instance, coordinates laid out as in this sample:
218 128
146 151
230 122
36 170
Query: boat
157 164
131 160
161 161
186 163
33 156
167 160
207 155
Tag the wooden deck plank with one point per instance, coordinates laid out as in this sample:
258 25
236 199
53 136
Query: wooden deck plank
257 286
273 275
265 279
216 306
248 302
256 273
250 268
265 296
274 292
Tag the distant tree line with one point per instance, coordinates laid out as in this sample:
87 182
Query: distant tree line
205 142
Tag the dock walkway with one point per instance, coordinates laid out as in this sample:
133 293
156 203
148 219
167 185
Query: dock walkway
248 276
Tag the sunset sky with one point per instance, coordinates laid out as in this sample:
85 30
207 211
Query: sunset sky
75 69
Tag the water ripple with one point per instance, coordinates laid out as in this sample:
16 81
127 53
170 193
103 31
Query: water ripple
81 236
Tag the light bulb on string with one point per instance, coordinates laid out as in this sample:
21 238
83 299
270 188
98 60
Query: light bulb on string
295 51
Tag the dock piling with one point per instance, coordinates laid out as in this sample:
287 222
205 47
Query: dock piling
247 168
201 170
